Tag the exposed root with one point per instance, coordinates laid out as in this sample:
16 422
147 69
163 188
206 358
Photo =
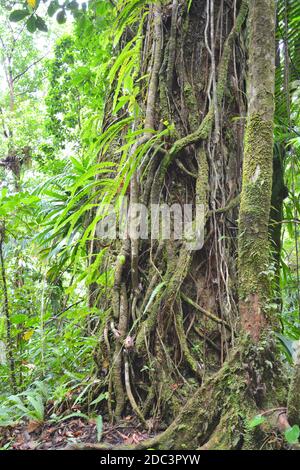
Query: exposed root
217 416
131 398
194 365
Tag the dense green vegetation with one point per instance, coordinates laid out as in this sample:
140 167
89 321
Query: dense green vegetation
98 102
49 149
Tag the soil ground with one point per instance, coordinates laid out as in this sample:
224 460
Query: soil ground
31 435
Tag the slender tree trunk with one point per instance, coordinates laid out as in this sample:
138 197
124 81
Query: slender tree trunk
9 348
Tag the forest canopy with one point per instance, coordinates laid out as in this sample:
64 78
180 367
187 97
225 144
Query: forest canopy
149 224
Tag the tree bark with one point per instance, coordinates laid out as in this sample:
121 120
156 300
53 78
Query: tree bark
9 342
187 313
254 248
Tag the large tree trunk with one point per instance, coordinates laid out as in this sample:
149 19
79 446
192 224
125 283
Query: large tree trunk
174 328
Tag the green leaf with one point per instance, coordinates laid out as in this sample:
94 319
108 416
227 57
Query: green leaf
36 402
292 434
99 426
73 5
18 319
31 24
287 344
41 24
53 7
256 421
102 396
18 15
73 415
121 259
153 295
61 17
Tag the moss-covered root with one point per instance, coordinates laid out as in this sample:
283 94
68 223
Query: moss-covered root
202 415
222 437
216 416
194 424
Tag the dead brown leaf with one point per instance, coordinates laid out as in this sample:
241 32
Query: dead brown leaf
33 426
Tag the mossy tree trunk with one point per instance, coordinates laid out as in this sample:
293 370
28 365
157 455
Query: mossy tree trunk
254 248
182 323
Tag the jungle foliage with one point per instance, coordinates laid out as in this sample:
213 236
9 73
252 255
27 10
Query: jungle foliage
150 100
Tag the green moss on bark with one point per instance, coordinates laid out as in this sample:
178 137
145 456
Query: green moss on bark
294 397
217 416
254 251
255 208
192 106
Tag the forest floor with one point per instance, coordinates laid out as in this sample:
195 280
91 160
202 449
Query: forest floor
31 435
